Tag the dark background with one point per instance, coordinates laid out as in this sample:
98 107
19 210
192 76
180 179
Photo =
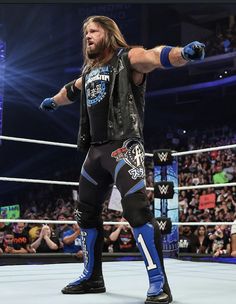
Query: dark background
43 52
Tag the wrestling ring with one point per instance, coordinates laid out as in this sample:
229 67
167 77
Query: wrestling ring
191 282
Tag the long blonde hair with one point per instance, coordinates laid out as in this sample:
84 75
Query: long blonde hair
113 38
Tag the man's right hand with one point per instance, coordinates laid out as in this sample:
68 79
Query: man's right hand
48 104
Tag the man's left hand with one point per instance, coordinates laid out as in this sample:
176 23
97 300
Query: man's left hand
194 51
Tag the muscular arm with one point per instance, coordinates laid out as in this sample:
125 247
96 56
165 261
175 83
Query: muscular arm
61 97
145 61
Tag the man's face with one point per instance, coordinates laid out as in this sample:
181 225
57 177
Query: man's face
8 239
19 227
95 36
61 218
187 230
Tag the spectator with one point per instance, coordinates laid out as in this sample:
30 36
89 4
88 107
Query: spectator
190 216
220 176
187 240
62 228
33 232
183 205
203 242
220 215
123 239
221 243
8 244
32 228
223 41
72 241
229 170
21 238
47 241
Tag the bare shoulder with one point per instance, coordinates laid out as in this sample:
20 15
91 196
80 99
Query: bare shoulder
78 83
135 54
143 61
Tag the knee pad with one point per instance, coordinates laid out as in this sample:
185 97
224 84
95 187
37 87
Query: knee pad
88 216
136 209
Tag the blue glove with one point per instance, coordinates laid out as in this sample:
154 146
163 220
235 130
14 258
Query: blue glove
48 105
193 51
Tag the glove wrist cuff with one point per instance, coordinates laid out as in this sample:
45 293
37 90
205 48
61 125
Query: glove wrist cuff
183 56
54 104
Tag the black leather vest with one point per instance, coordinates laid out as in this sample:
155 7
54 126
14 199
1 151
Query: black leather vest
126 105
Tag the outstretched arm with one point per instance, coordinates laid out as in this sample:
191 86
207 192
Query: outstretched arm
67 95
145 61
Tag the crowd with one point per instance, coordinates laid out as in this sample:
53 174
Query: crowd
211 204
42 238
222 41
206 205
32 238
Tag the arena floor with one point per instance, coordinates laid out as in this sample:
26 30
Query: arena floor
126 283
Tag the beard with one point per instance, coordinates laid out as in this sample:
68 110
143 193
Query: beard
97 51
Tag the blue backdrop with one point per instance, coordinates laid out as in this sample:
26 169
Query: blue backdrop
2 68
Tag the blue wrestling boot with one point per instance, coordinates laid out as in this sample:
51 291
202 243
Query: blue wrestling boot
144 236
161 298
166 289
158 244
91 280
91 285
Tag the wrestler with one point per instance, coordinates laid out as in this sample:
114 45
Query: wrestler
111 90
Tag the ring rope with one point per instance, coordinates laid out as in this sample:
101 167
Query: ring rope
109 223
51 182
204 150
43 142
205 186
37 181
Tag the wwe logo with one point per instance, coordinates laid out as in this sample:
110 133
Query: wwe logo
162 156
162 225
163 189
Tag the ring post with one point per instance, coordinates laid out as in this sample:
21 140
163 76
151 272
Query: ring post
166 170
